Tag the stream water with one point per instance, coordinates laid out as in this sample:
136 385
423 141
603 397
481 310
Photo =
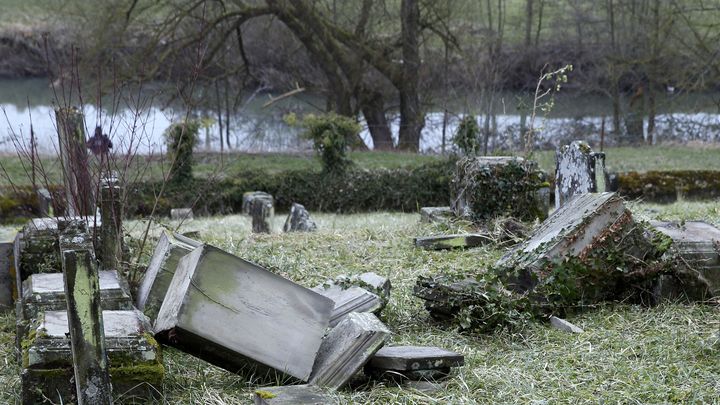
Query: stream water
136 122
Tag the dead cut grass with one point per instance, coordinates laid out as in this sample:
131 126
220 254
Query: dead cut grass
627 354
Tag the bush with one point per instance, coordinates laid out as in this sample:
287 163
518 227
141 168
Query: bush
467 137
332 135
181 139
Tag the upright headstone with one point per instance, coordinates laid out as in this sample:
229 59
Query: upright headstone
299 220
261 211
7 270
85 322
74 161
45 202
111 239
251 195
576 171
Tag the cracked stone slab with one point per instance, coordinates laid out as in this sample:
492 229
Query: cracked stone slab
442 242
242 317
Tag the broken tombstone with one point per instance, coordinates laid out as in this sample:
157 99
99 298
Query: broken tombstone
181 214
442 242
261 211
486 187
291 395
299 220
413 363
213 293
436 214
578 170
366 292
563 325
135 365
346 349
695 256
170 248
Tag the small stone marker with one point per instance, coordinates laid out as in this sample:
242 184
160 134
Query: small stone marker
239 316
252 195
442 242
561 324
7 273
291 395
348 300
45 203
347 348
168 252
136 369
435 214
261 211
181 214
413 362
82 293
299 220
695 248
576 171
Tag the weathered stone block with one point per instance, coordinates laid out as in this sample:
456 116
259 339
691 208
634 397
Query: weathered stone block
299 220
261 211
441 242
181 214
215 296
695 250
251 195
563 325
436 214
136 369
408 358
347 348
576 171
292 395
45 292
7 272
348 300
168 252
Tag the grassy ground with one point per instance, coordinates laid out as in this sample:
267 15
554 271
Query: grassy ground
628 354
229 165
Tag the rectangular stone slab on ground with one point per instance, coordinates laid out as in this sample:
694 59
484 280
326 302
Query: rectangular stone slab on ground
348 300
168 252
136 369
45 292
441 242
291 395
347 348
697 245
403 358
237 315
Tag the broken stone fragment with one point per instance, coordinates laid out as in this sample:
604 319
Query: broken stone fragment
347 348
292 395
694 257
575 171
299 220
440 295
369 281
407 358
442 242
348 300
241 317
181 214
168 252
436 214
136 369
563 325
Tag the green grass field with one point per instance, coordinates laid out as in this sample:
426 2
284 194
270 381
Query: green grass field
628 354
213 165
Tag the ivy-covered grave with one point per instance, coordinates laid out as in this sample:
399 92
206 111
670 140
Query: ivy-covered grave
589 251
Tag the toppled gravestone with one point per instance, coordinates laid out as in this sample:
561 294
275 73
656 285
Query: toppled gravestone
171 247
291 395
136 370
442 242
347 348
413 362
241 317
488 187
366 292
588 251
435 214
578 170
299 220
695 255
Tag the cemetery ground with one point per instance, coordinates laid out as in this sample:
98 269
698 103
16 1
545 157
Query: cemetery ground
627 353
214 165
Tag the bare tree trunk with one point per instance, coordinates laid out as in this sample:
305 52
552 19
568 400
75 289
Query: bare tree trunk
373 108
411 116
528 22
